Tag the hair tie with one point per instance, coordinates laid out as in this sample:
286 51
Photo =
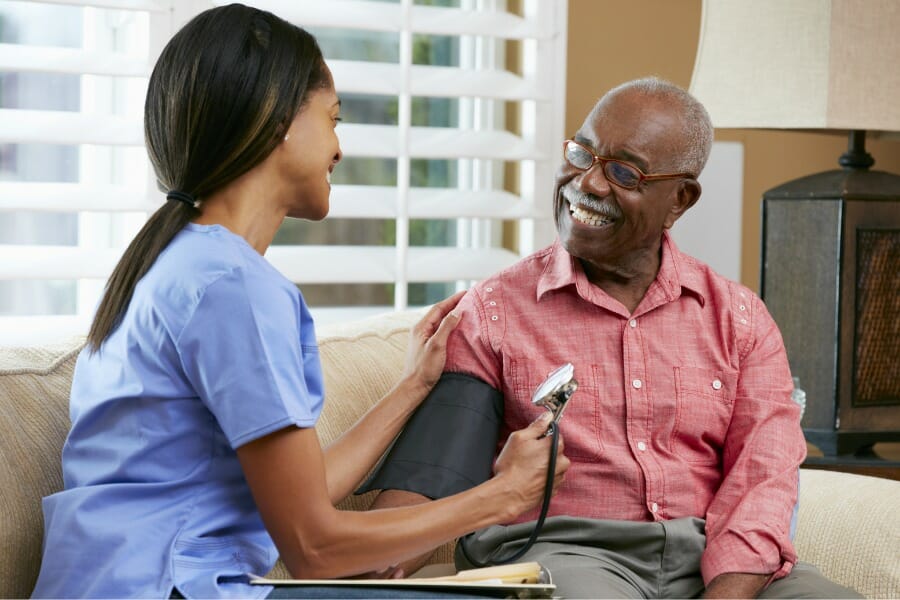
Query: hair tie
181 197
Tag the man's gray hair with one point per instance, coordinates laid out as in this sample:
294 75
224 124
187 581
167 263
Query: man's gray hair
698 128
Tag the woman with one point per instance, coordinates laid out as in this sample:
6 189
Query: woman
193 458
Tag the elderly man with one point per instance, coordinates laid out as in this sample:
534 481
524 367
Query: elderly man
683 438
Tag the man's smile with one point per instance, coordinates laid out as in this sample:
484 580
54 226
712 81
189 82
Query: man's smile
587 210
587 217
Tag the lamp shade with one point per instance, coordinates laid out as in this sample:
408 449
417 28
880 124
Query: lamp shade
800 64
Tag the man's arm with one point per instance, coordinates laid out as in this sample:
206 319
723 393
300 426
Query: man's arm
395 498
736 585
468 351
748 520
448 446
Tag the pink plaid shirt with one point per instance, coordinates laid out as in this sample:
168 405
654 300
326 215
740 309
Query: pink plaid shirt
683 408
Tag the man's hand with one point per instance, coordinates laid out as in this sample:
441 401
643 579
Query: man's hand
736 585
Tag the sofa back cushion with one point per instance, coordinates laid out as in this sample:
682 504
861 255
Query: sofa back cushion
849 527
361 361
34 420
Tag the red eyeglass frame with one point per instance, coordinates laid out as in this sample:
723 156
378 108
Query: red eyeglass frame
603 160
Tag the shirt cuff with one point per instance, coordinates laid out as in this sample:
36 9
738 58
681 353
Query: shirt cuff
786 568
731 553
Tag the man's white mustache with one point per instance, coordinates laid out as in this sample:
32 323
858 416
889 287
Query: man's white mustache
578 198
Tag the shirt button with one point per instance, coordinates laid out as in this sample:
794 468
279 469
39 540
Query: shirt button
632 323
642 446
492 303
494 318
489 289
717 385
637 384
654 507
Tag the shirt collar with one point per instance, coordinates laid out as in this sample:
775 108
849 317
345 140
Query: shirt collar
677 272
559 271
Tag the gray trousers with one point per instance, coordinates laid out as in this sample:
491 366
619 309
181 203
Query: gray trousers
590 558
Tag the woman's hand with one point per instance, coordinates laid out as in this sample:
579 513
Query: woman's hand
427 350
524 460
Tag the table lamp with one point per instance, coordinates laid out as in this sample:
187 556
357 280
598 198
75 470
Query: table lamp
830 241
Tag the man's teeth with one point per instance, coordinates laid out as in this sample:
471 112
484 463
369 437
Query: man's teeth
588 217
328 177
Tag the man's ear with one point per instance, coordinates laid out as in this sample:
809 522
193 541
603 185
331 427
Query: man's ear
686 195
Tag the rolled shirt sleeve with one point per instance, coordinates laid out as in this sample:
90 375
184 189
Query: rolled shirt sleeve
748 520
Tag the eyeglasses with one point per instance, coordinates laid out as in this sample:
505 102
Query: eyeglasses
621 173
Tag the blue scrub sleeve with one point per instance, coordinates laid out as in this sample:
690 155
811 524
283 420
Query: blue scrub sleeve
242 352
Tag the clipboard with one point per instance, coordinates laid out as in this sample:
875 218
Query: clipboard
519 580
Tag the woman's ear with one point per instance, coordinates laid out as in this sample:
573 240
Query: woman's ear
686 195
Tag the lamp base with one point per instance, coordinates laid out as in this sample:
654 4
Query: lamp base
831 258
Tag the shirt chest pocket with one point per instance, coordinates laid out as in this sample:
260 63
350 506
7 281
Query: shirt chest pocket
580 423
704 399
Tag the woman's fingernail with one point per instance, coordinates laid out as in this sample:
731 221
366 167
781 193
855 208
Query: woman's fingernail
544 417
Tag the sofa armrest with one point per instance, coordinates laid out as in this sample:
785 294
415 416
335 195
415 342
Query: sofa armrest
34 421
849 527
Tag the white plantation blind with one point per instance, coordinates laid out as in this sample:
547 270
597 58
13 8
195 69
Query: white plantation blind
497 117
480 198
74 178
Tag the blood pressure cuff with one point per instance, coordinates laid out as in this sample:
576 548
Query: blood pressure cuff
449 443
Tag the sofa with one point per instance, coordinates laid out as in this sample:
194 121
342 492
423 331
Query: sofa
849 525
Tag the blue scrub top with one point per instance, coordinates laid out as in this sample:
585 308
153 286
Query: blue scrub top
215 350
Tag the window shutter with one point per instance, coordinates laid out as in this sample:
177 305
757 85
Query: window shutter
74 183
506 126
514 116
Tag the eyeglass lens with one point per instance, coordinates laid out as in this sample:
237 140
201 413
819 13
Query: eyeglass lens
619 173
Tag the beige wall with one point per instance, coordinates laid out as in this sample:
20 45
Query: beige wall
613 41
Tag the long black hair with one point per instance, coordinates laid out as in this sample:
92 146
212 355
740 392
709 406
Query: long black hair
221 97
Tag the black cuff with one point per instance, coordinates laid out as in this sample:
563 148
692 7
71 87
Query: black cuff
449 443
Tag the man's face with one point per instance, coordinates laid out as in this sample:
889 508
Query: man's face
607 225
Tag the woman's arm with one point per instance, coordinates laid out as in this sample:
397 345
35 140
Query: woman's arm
286 473
350 457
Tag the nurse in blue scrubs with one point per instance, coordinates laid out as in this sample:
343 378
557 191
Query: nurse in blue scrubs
193 458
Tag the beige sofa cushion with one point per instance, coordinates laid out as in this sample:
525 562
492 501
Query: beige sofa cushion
34 420
849 526
361 361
